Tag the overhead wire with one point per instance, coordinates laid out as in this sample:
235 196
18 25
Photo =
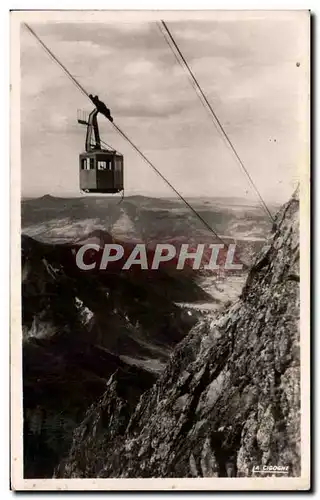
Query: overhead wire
188 76
168 182
54 58
217 121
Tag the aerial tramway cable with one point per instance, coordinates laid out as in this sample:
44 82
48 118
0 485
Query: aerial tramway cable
81 88
184 64
53 57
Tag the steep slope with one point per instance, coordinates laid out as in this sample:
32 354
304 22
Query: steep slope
61 380
79 329
228 399
121 311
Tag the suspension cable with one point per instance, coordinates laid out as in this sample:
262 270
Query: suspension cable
166 180
189 77
214 115
53 57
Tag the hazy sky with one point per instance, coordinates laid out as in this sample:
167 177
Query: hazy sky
248 69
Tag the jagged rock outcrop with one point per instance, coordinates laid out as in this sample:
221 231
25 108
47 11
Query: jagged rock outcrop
228 399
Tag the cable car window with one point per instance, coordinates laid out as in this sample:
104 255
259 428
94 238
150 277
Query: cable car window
104 165
85 165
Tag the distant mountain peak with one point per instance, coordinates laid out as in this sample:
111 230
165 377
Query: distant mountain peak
47 197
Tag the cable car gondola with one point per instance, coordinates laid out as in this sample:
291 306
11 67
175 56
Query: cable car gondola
101 170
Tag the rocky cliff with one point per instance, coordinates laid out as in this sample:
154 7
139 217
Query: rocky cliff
229 396
80 328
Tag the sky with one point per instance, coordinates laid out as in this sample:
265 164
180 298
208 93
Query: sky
252 69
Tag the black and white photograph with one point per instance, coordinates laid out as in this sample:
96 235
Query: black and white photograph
160 247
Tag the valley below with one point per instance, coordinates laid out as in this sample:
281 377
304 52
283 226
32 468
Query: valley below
88 333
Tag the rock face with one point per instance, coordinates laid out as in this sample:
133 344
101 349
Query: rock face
229 398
